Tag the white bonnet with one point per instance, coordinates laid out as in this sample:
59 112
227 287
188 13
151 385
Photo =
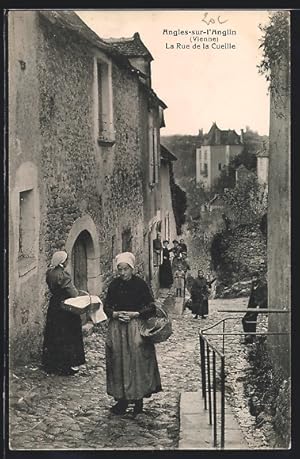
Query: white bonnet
126 257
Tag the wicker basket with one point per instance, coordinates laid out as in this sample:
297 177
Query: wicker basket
158 328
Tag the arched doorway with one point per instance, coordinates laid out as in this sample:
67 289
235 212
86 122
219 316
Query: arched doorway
83 246
79 260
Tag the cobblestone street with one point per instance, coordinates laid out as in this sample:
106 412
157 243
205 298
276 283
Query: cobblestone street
52 412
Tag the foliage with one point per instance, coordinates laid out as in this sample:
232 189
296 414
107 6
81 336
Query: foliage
276 45
268 392
226 178
196 196
247 201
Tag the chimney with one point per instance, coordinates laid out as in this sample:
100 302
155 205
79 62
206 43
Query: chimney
242 136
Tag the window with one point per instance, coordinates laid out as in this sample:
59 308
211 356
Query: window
220 166
167 227
204 171
127 240
205 155
103 101
26 224
153 151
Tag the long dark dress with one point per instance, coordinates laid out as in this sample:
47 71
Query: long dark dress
199 296
131 366
258 298
165 270
63 342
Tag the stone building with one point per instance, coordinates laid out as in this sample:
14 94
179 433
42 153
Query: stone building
218 148
168 225
84 171
262 165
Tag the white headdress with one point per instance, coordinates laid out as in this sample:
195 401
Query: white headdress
126 257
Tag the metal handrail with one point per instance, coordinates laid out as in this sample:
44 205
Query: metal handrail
209 389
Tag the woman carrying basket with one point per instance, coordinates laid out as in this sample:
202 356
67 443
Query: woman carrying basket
131 365
63 348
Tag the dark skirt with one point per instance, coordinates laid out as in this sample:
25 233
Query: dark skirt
63 341
165 274
131 365
199 306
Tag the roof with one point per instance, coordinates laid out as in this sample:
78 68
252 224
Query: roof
217 136
71 21
130 47
166 154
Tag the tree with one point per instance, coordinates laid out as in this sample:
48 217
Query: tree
247 201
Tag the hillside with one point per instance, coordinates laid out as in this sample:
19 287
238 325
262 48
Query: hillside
184 148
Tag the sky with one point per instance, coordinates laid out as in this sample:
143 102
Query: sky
199 85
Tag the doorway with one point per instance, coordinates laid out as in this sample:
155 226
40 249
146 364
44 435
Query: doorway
79 261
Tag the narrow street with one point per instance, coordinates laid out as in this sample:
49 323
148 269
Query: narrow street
51 412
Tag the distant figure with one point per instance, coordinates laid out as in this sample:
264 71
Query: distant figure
258 299
185 262
183 246
176 250
165 269
227 222
179 280
211 284
199 295
157 248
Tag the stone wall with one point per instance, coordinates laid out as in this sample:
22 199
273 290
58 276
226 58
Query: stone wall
279 263
78 181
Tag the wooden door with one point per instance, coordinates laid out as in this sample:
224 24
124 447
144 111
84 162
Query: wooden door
79 262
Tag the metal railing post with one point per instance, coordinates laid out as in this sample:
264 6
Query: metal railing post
222 402
223 336
203 372
209 383
214 399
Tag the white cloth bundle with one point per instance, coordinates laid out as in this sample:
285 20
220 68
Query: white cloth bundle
96 313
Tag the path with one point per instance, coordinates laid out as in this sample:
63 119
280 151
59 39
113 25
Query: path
73 412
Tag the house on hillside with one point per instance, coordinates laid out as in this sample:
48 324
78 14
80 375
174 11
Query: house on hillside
84 172
218 148
262 165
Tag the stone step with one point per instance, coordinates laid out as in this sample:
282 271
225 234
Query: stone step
195 430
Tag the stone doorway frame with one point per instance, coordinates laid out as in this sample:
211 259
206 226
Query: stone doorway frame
94 278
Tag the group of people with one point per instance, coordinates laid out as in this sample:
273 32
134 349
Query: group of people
175 271
131 366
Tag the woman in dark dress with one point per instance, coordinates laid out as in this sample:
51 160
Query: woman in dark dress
131 366
199 296
165 269
63 349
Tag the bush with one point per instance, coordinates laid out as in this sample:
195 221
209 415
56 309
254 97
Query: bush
268 393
